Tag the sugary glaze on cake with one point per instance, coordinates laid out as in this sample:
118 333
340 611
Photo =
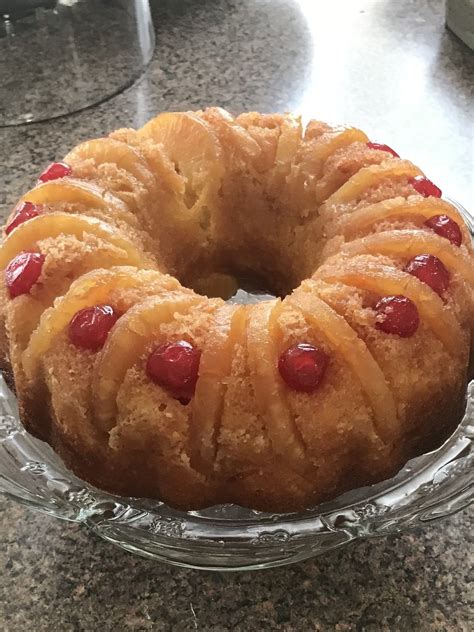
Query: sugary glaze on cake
146 387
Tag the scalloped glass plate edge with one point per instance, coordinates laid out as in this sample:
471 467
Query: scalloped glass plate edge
227 537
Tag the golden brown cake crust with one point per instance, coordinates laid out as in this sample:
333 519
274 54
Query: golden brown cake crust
319 216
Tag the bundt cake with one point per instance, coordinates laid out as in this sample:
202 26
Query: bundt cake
130 354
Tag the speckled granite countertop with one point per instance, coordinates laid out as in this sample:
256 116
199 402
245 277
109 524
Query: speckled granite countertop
388 67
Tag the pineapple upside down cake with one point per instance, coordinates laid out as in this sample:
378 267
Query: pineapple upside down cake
128 358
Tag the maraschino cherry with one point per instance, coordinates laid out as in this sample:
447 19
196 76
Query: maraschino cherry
399 316
23 212
445 227
382 147
430 270
302 367
54 171
89 327
175 367
23 272
425 187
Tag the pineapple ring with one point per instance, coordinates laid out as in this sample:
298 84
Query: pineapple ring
316 151
309 162
194 149
340 336
28 234
385 280
22 317
127 341
410 243
73 191
231 132
336 139
215 365
289 141
367 216
109 150
90 289
368 177
281 427
287 147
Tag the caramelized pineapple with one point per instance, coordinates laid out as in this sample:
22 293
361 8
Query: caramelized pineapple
107 150
234 138
364 218
368 177
343 339
27 235
22 316
226 331
309 161
263 353
288 144
265 129
90 289
410 243
385 280
194 150
328 143
80 192
133 333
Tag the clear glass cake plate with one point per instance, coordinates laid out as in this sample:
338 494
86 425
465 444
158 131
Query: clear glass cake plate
228 537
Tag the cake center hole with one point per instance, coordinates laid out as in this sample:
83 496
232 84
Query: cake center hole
233 288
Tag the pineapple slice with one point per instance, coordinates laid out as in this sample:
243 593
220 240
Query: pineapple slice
311 157
167 180
336 139
108 150
194 149
410 243
216 360
230 133
340 336
265 129
263 355
288 144
314 152
90 289
83 192
27 235
22 316
128 340
368 177
385 281
363 218
289 141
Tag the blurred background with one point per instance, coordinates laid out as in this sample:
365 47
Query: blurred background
389 67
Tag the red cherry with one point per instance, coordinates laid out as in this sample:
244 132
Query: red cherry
22 272
23 212
382 147
54 171
399 316
445 227
302 367
425 187
175 367
89 327
431 271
